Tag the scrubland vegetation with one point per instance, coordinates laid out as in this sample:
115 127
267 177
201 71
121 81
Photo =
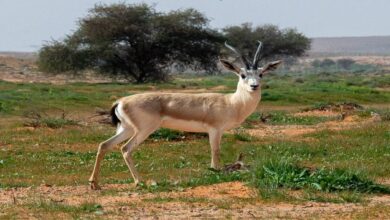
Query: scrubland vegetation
49 136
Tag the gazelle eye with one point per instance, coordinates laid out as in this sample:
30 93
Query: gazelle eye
243 76
261 75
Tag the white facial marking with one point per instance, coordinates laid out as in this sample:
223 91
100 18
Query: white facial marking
250 79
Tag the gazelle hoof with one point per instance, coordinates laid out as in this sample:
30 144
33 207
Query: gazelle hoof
94 186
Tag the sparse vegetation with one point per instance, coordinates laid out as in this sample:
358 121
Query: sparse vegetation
333 166
241 135
35 119
283 118
330 106
385 115
342 65
75 211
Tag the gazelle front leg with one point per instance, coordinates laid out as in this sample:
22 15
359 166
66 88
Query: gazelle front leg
215 136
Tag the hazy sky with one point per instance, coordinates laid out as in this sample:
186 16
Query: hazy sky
26 24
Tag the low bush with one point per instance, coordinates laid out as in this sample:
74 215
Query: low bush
285 174
36 119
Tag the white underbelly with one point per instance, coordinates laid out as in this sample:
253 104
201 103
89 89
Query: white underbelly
184 125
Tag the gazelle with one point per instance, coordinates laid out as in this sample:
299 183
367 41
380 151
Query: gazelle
139 115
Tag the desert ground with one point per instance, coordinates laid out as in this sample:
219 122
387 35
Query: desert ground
317 147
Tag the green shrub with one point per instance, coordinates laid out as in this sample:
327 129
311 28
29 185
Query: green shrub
3 107
285 174
266 96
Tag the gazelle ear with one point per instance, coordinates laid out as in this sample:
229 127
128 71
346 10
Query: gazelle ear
270 66
230 66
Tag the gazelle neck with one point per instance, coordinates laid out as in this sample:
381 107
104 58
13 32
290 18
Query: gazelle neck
243 97
245 102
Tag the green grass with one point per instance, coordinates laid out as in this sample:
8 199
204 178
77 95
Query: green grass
242 135
54 206
48 206
283 118
44 120
285 174
283 89
167 134
340 197
325 166
363 150
269 176
18 98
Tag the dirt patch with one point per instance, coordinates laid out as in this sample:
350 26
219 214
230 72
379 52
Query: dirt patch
228 190
384 181
281 130
317 113
349 122
234 200
342 107
24 70
75 195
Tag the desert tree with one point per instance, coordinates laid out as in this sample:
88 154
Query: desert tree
276 42
136 42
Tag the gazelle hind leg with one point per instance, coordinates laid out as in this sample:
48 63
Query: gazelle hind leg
130 146
121 135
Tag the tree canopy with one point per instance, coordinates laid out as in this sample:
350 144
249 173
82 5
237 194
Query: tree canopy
135 41
276 42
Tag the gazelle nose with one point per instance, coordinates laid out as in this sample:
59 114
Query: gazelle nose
254 87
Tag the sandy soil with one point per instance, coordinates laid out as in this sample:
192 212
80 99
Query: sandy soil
264 130
232 199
